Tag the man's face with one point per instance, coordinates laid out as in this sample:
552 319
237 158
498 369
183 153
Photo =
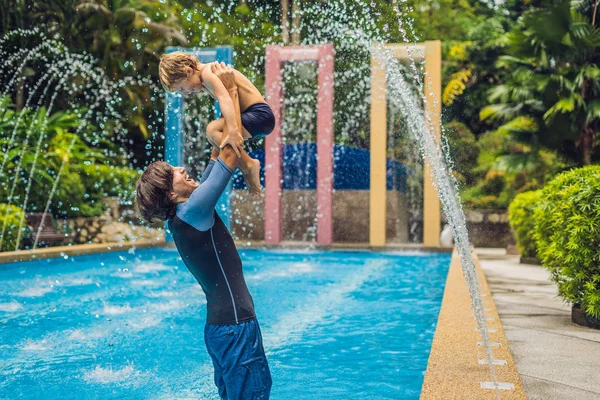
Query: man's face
183 185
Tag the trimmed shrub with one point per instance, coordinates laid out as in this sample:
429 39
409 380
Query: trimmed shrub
522 221
106 180
12 218
567 232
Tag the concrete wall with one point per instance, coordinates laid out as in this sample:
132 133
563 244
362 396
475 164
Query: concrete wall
118 223
487 228
350 216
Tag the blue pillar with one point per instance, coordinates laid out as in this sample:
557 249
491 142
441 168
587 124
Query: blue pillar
174 137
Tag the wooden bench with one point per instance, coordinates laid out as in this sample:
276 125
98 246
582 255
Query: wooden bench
48 235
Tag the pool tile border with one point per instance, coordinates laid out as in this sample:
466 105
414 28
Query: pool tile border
454 370
80 249
74 250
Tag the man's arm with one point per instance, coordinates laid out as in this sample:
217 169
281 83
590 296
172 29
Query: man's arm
213 159
199 209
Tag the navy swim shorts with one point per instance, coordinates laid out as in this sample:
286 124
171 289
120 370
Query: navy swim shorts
238 356
259 120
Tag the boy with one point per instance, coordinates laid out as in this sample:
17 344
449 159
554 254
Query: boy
182 72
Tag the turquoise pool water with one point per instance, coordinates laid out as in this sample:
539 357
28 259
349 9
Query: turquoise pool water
129 325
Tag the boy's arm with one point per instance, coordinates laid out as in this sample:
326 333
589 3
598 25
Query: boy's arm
223 86
204 198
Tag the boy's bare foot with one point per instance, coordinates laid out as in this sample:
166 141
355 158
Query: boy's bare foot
252 177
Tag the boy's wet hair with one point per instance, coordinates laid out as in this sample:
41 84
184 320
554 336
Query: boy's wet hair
172 67
152 192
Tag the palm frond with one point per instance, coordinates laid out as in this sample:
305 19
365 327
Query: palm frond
498 112
518 162
564 106
593 112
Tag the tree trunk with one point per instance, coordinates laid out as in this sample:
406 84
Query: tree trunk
296 22
586 141
285 9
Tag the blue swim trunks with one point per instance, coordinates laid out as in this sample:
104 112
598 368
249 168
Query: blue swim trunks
259 120
238 356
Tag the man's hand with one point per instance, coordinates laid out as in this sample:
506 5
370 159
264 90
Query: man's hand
225 74
214 154
236 141
227 77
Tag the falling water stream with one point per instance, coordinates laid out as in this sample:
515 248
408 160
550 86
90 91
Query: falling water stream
344 22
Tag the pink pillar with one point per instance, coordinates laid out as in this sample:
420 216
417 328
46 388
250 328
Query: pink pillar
324 55
325 146
273 155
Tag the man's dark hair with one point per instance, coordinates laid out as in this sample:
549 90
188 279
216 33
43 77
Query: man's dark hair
152 192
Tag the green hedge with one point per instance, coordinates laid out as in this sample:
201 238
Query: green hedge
567 232
522 222
12 220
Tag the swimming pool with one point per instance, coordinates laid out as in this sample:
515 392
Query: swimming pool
336 325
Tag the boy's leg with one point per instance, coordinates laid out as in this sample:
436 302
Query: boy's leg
215 129
250 167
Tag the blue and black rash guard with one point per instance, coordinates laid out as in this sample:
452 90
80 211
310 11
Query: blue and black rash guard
208 250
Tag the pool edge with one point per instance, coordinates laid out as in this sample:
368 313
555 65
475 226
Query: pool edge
453 370
81 249
75 250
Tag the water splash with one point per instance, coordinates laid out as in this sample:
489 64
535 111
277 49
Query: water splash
100 92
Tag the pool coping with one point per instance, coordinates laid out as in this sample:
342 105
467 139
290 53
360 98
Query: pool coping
93 248
75 250
347 246
453 369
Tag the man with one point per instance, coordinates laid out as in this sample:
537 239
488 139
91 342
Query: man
232 334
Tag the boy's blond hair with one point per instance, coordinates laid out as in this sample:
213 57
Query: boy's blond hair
172 67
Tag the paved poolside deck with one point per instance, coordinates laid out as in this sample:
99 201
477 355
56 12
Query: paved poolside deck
555 358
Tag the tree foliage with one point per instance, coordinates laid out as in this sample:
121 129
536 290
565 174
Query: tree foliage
554 82
28 180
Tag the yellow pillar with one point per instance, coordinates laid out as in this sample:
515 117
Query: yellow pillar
377 193
432 52
433 93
